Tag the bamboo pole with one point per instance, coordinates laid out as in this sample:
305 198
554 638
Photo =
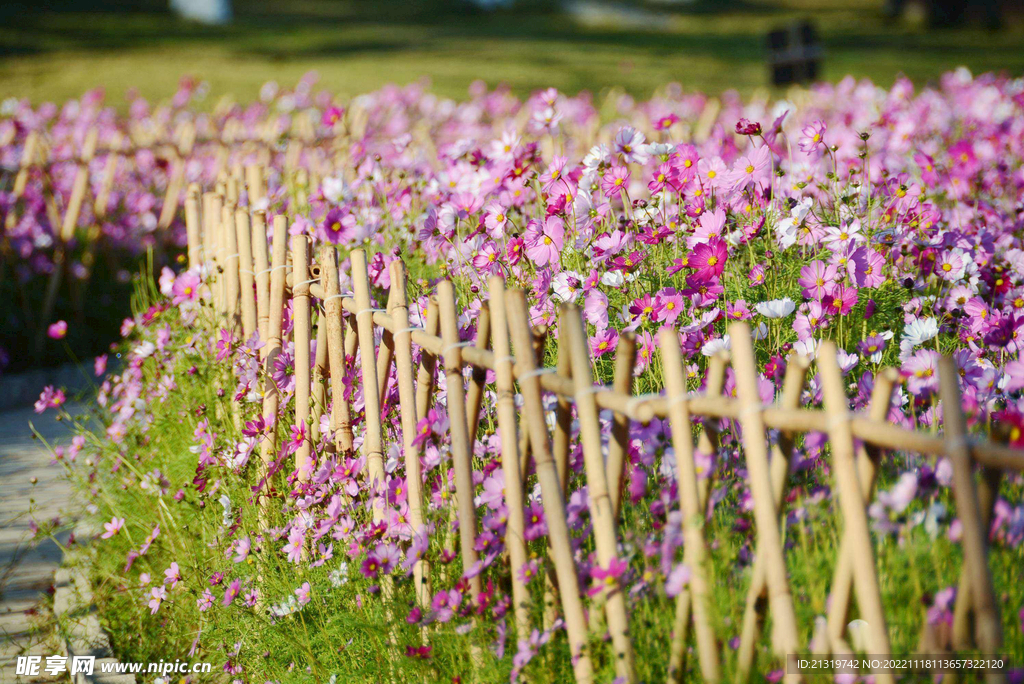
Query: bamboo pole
192 228
100 206
409 417
988 627
618 446
372 446
262 268
79 186
706 443
868 459
478 376
562 438
427 373
851 503
601 512
551 488
301 331
319 391
785 637
695 547
385 357
246 275
341 420
792 387
270 352
229 236
505 408
462 457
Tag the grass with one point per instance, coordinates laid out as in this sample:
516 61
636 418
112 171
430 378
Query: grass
359 46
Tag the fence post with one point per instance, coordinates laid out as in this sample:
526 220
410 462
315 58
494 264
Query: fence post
506 410
867 462
694 549
792 387
551 488
988 627
79 187
192 230
851 503
462 458
618 445
245 271
341 421
262 268
300 332
372 446
574 337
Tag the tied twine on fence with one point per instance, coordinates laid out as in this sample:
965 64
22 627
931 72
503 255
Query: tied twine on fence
507 344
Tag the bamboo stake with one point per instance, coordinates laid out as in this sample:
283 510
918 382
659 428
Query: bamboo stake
409 417
462 458
300 331
79 187
551 488
618 446
599 500
988 627
246 275
562 438
100 206
785 637
505 407
707 443
426 375
229 233
192 228
319 392
851 502
262 268
254 183
868 458
372 445
341 420
28 158
272 349
695 548
385 357
478 378
792 387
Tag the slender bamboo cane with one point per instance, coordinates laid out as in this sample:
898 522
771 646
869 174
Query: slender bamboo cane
101 205
262 268
319 391
385 357
988 627
372 446
618 446
478 376
246 275
792 387
409 417
427 373
462 458
851 503
229 237
192 228
561 445
868 458
515 538
599 500
695 547
784 632
707 443
341 420
551 488
301 331
79 187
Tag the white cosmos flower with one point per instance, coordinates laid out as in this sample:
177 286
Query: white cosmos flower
760 331
917 333
612 278
807 348
712 347
776 308
144 350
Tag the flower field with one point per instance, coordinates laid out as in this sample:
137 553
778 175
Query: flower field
267 509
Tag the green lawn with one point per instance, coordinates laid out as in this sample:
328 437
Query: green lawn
358 45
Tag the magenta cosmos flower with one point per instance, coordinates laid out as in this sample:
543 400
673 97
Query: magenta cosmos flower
58 330
708 259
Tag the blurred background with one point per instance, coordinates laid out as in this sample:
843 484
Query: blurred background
55 49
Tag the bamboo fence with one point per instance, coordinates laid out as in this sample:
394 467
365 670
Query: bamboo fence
219 241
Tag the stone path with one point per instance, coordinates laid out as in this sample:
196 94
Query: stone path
27 567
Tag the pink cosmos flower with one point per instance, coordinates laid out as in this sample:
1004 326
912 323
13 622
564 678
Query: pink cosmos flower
157 596
185 288
332 115
751 169
841 300
58 330
817 279
112 527
231 592
172 575
99 365
708 259
49 398
303 593
338 227
922 372
813 139
603 342
607 579
615 181
544 242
